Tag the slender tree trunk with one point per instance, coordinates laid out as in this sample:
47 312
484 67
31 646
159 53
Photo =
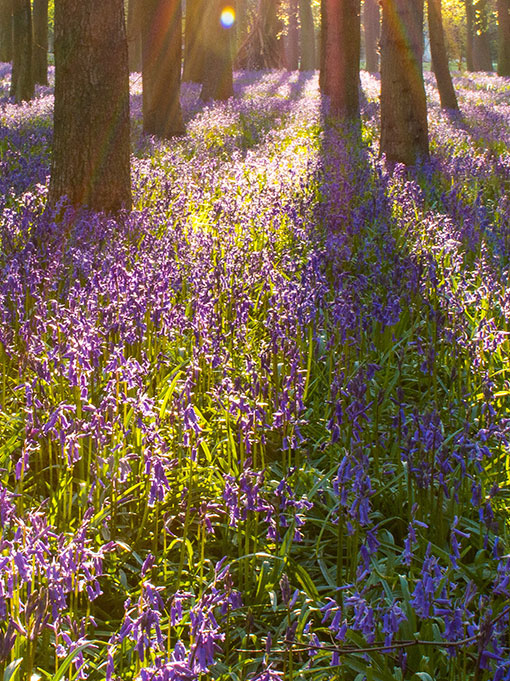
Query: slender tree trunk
5 30
404 132
470 23
217 74
194 41
293 37
235 34
40 54
372 29
134 35
503 37
307 41
161 70
90 160
342 56
323 65
241 27
22 80
440 56
481 42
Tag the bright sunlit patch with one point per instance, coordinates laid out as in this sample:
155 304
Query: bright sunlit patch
228 16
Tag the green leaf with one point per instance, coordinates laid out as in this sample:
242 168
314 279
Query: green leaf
11 669
305 580
170 390
69 660
424 676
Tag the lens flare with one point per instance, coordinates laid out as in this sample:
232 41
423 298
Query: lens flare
228 16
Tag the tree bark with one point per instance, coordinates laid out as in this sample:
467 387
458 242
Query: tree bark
342 56
194 41
217 73
440 57
161 69
40 53
307 40
293 37
90 160
482 59
468 4
22 80
404 131
134 35
503 37
372 28
5 30
323 80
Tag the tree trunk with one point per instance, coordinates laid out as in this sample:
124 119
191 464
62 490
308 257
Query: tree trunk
22 80
6 30
293 37
342 56
194 41
323 80
90 160
134 35
217 74
239 7
440 56
240 27
40 53
503 37
161 69
404 131
482 59
468 4
372 28
263 48
307 41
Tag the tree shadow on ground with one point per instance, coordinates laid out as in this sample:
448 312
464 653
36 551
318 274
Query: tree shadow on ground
391 346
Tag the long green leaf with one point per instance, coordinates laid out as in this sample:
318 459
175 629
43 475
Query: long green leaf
69 660
12 668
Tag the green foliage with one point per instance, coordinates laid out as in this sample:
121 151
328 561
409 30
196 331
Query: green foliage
454 24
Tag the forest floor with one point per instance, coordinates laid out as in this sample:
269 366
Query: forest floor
259 427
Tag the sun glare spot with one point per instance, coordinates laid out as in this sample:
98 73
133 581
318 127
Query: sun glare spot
228 16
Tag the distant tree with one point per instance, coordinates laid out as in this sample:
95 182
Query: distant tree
90 156
293 36
342 54
22 80
134 35
470 32
454 26
5 30
217 81
307 36
161 67
40 49
482 59
263 47
194 41
504 37
241 25
372 29
440 57
404 131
